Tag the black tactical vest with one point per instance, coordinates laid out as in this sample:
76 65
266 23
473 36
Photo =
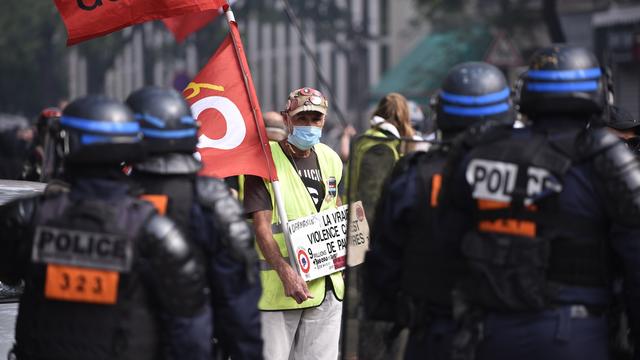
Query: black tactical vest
85 296
178 189
523 247
429 256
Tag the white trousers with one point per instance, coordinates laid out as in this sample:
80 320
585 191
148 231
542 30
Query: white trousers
310 334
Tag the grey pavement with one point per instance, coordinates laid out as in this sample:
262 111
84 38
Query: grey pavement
7 323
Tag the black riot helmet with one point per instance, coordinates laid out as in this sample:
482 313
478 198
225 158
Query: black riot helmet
562 79
472 92
165 120
99 130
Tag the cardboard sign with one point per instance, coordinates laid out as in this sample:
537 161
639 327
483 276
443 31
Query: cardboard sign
320 244
358 235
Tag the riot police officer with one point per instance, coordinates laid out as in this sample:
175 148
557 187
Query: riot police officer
410 254
35 163
625 127
101 268
205 209
548 217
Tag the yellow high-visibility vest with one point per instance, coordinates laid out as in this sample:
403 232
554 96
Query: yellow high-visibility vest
298 203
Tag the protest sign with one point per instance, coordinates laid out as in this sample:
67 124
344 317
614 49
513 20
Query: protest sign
358 235
319 241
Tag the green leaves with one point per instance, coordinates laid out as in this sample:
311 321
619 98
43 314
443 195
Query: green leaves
31 56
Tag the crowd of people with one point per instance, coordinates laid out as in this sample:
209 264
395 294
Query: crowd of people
488 241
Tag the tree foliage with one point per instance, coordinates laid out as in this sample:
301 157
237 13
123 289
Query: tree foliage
31 56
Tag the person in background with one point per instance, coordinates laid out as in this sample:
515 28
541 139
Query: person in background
345 142
275 126
423 127
16 137
35 166
376 152
625 127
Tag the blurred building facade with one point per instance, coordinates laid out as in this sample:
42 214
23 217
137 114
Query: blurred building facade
370 37
145 58
617 43
377 36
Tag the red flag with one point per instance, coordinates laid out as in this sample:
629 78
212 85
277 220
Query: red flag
230 117
183 26
87 19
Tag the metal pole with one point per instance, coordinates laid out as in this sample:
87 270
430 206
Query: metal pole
282 214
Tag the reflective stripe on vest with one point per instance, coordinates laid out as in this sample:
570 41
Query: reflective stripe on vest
298 203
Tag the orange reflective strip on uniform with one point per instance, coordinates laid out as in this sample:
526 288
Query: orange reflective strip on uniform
160 202
493 204
509 226
506 226
78 284
436 184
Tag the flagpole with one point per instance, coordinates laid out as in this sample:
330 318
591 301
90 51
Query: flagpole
282 213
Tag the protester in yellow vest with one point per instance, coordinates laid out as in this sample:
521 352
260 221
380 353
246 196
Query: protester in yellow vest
300 320
377 151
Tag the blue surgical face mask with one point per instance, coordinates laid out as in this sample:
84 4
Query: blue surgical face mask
304 137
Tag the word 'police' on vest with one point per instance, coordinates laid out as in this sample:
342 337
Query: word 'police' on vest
81 248
320 241
496 180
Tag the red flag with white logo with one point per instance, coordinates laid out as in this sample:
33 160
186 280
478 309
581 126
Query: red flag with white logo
87 19
232 138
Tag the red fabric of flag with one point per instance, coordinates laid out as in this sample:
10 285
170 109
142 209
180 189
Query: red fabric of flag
231 129
87 19
185 25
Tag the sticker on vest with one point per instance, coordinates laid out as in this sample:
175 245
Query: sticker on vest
496 180
332 188
81 248
506 226
68 283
